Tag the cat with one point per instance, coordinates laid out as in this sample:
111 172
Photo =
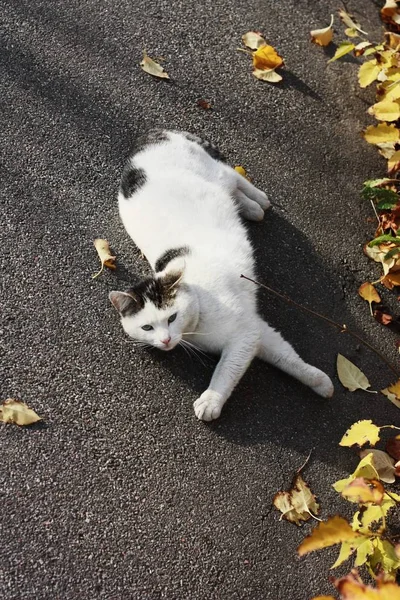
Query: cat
181 204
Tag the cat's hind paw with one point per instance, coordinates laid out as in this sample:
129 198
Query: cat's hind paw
208 407
323 386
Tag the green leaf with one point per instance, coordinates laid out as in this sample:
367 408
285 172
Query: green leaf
363 552
343 49
384 238
347 548
392 253
382 194
375 182
387 204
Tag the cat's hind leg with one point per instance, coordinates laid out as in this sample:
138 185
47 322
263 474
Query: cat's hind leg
250 190
276 351
248 208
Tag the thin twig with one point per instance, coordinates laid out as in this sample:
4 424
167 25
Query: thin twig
342 328
299 470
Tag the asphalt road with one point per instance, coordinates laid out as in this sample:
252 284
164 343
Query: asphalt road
122 494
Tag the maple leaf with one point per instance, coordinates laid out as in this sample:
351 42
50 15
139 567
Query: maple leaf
364 491
360 433
298 504
369 293
152 67
350 376
266 58
15 411
104 252
382 462
322 37
335 530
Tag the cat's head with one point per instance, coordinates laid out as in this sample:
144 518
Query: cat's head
156 310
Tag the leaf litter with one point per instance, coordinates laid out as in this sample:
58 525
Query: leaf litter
16 411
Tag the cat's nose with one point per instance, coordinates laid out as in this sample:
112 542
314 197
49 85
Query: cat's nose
166 341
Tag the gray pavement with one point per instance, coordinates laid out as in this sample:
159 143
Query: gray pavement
122 494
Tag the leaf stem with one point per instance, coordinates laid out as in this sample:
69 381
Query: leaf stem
305 462
342 328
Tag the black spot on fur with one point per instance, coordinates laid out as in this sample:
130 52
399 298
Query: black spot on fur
150 138
206 145
161 292
132 179
169 255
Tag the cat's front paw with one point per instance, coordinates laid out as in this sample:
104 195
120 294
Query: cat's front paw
208 407
322 385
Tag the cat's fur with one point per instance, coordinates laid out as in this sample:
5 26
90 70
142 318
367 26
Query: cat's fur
180 203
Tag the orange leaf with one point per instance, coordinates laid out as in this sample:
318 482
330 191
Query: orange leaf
267 57
369 293
390 280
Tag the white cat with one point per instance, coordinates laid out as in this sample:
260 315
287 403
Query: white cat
180 203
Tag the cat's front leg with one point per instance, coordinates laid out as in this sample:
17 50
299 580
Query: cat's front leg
233 364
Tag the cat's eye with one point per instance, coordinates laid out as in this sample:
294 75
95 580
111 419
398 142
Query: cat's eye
172 318
147 327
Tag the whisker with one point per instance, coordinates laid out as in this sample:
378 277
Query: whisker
195 333
194 351
196 348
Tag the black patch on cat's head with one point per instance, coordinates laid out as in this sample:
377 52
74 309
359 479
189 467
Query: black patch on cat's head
132 179
168 256
150 138
160 291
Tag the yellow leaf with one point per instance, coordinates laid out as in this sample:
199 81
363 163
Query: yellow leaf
352 588
386 110
350 22
393 393
298 504
365 468
351 32
104 252
322 37
335 530
378 253
153 68
360 433
343 49
346 550
383 463
364 550
350 376
364 491
266 58
394 164
253 40
242 171
386 150
269 75
15 411
361 48
369 293
377 134
384 558
368 73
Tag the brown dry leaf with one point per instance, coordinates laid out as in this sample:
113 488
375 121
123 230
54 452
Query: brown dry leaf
298 504
364 491
394 163
382 317
266 58
392 39
390 13
335 530
253 40
383 463
391 280
269 75
393 447
205 104
104 252
153 68
15 411
369 293
352 588
322 37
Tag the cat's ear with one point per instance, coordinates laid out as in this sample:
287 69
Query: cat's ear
172 278
126 303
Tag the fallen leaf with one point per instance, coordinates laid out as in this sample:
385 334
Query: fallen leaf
386 110
364 491
323 598
390 13
384 559
369 518
298 504
350 21
392 39
393 393
266 58
347 549
343 49
104 252
242 171
386 149
378 134
153 68
383 463
369 293
15 411
360 49
352 588
365 468
360 433
335 530
378 254
205 104
322 37
368 72
350 376
253 40
269 75
394 163
391 280
393 445
382 317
